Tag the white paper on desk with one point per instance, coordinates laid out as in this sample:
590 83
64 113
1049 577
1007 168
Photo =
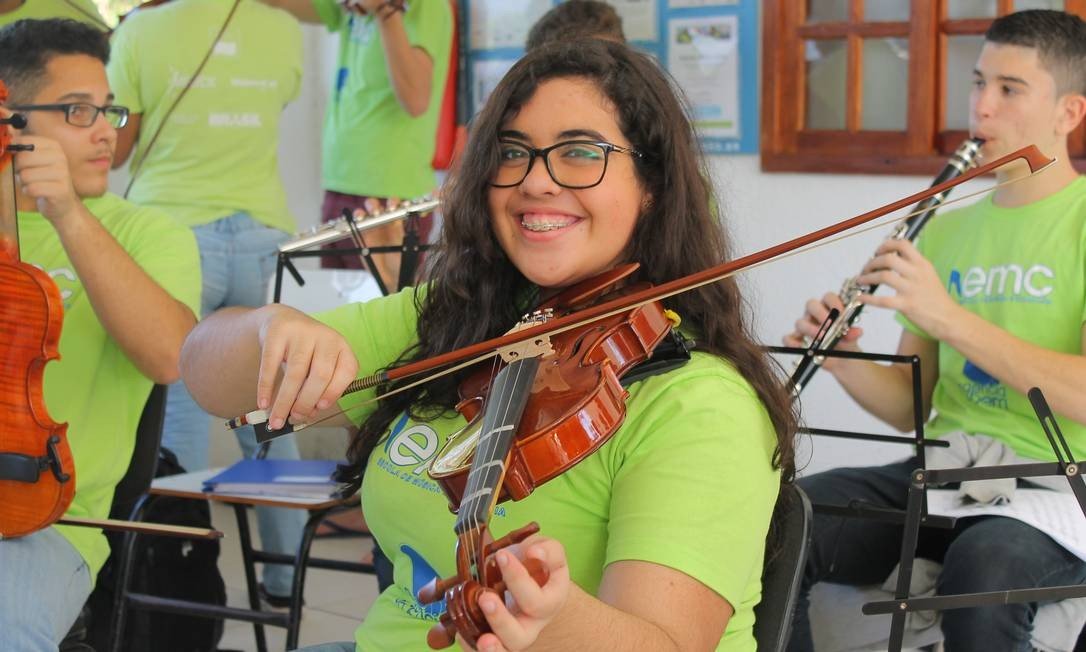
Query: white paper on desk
1055 513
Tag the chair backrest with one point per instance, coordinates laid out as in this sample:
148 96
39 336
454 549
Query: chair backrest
141 468
786 555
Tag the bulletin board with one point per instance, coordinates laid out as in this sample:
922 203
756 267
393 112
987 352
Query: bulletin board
709 46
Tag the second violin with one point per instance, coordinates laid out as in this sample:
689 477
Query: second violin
37 473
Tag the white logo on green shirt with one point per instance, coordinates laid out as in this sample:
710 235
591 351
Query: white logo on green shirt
1009 282
413 447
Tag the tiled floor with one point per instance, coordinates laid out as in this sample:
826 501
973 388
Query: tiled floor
335 602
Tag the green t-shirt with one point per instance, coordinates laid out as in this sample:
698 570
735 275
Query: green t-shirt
94 387
372 146
218 153
1024 270
82 10
687 482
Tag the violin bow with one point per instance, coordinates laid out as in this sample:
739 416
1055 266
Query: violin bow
474 353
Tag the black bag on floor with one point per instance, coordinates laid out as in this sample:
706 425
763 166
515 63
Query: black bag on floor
168 567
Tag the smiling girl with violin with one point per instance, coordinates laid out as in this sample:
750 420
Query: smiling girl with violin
583 160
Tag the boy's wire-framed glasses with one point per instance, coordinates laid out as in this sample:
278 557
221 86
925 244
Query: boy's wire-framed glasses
578 164
81 114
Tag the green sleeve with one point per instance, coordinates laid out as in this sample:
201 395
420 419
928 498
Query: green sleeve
430 28
330 12
123 67
377 331
166 250
694 486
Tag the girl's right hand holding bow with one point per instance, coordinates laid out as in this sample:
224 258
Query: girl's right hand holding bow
312 363
297 365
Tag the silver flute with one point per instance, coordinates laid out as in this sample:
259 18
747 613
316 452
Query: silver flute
341 228
961 161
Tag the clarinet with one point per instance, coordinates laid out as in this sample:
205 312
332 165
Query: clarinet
345 227
962 160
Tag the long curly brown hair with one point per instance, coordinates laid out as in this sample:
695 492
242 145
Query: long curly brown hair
474 291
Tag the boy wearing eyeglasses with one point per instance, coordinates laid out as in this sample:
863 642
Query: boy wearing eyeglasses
129 281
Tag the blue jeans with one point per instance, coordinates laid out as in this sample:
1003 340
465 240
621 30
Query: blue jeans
237 257
45 583
988 553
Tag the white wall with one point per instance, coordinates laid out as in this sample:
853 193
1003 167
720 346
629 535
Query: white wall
765 209
760 209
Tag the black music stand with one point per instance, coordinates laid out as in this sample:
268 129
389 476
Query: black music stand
902 604
918 440
409 252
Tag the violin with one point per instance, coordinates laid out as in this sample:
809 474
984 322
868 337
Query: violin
559 400
37 473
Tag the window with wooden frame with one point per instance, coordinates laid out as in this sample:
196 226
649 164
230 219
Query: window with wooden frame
875 86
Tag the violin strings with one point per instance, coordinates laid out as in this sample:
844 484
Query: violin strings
479 454
484 453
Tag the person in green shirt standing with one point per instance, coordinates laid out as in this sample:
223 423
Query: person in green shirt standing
993 300
129 280
381 122
82 10
204 148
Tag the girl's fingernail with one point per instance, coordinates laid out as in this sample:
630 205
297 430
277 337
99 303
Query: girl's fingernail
489 606
503 559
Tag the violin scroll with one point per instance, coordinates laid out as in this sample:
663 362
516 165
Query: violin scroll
476 574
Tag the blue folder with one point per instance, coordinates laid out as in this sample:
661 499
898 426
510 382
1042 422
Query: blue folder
301 478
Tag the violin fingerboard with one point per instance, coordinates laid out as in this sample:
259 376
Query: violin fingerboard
504 407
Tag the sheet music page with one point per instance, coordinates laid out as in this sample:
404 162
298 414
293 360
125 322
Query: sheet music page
1054 513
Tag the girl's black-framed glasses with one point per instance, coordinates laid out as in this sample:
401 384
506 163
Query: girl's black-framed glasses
579 164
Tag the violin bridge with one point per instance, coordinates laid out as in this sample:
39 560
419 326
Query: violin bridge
537 347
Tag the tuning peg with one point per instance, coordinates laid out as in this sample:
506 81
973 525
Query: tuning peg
16 120
441 635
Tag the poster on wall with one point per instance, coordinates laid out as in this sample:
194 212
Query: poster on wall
503 23
703 57
710 47
702 3
639 18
